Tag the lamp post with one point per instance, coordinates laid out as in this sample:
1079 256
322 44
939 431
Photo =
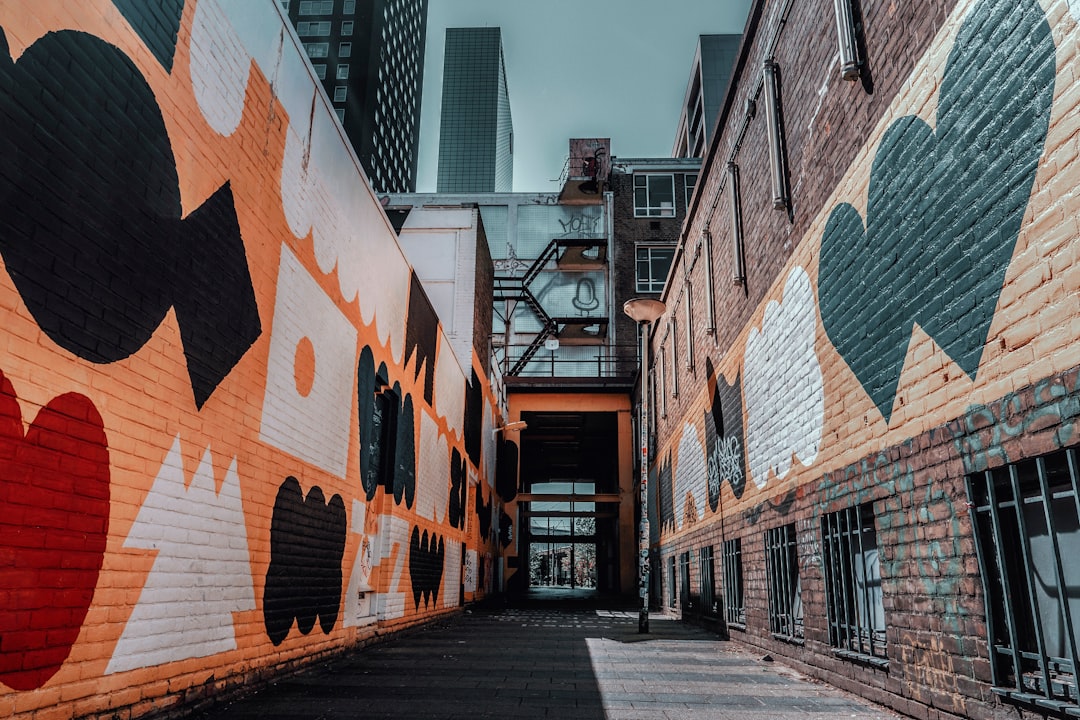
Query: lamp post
644 311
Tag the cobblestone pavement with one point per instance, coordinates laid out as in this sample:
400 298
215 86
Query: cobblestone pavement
571 664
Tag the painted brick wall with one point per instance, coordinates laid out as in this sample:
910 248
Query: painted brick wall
202 310
910 318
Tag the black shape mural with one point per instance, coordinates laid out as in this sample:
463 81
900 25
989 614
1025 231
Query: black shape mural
667 497
366 385
157 22
506 469
389 438
458 490
404 482
474 418
91 227
506 529
426 558
944 207
724 443
307 541
421 335
483 512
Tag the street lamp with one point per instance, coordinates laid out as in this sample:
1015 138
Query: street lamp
644 311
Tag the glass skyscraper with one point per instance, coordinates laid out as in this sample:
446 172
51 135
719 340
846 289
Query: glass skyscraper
476 138
369 55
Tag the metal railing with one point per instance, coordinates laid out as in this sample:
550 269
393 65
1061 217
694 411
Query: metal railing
569 361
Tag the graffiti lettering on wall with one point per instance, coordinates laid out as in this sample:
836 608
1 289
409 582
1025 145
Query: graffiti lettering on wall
781 506
723 436
117 276
307 542
785 396
807 536
578 223
176 618
977 164
982 435
426 556
54 523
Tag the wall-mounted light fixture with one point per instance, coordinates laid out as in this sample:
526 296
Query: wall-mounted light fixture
845 33
509 427
738 264
776 140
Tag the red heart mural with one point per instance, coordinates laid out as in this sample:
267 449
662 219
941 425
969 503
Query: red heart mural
54 518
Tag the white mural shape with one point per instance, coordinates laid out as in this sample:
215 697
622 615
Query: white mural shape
312 425
691 476
433 472
392 542
323 190
1074 9
452 574
450 389
785 396
360 577
202 572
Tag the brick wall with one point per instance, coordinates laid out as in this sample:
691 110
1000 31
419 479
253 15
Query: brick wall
203 308
908 320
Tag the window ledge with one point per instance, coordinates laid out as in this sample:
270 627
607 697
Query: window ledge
789 639
737 626
1060 706
862 658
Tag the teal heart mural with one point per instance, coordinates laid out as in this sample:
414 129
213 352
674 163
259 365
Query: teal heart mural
944 205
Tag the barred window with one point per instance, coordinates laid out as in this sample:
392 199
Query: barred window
684 580
1027 533
673 598
785 591
707 581
734 608
853 585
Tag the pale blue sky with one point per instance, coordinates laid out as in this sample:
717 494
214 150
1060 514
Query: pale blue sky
579 68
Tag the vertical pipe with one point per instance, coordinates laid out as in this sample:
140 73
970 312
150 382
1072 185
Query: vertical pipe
689 329
738 259
845 35
710 312
776 148
643 499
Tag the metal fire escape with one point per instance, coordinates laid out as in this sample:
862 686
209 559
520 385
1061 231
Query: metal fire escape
570 254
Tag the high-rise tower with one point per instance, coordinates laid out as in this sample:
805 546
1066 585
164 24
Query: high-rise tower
476 140
369 55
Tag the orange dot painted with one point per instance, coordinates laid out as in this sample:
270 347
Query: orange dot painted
304 366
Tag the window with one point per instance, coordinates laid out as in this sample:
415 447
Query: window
653 263
284 5
853 584
785 593
317 50
340 91
689 183
340 112
344 49
320 70
734 609
349 7
346 28
707 581
684 581
1027 535
672 595
342 71
316 7
654 196
320 28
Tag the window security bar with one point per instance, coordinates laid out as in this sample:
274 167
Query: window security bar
785 593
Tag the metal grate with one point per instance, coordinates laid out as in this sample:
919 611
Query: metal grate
734 609
684 581
785 592
853 584
1027 532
